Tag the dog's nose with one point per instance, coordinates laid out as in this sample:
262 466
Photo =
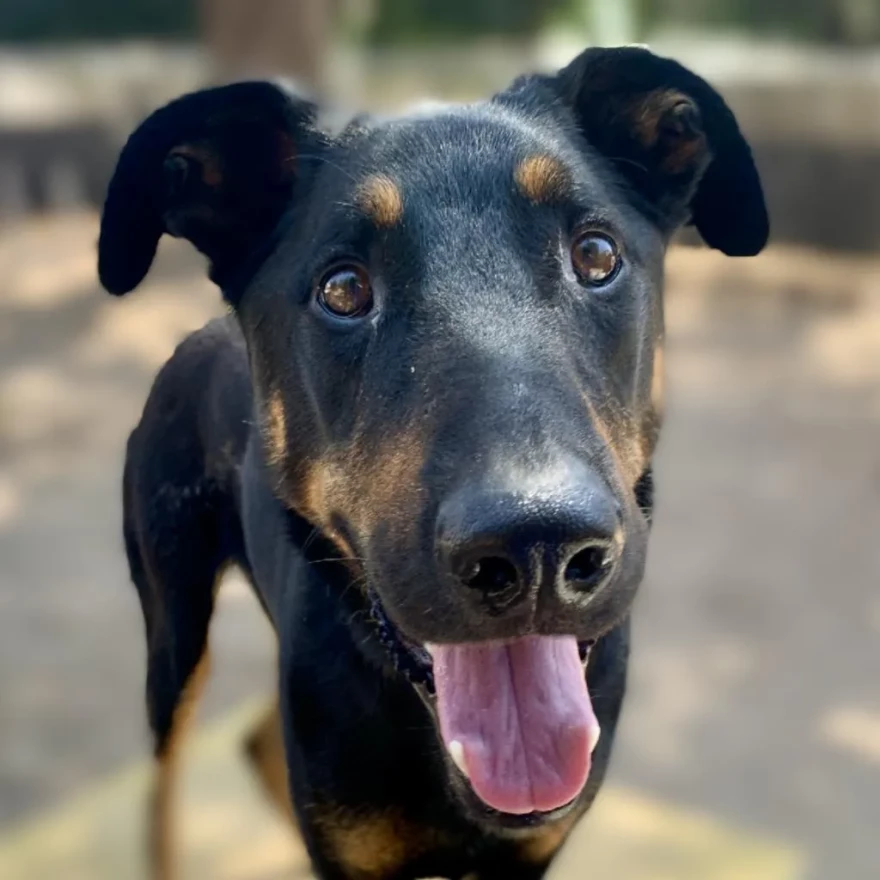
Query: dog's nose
503 546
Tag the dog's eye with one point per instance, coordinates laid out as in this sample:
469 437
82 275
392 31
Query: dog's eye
595 258
346 292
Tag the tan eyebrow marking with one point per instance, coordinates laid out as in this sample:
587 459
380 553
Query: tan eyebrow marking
542 178
380 198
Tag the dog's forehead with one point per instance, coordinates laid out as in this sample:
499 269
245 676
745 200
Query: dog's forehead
434 137
435 156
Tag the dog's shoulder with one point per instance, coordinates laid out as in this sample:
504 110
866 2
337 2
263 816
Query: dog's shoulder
200 404
208 363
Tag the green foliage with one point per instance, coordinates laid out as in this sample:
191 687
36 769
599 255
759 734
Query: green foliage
39 20
835 21
423 20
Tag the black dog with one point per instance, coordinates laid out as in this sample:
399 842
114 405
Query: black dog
425 434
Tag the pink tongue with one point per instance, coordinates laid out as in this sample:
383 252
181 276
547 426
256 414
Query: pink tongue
523 717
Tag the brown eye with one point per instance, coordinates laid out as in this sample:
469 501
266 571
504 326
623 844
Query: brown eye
595 258
346 292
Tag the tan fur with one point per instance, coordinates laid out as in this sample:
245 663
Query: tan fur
540 846
312 491
394 476
381 199
264 748
658 381
366 483
687 153
648 113
312 486
653 416
162 813
626 453
542 178
370 846
275 429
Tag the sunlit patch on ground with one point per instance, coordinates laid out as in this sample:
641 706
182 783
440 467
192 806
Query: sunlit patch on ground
229 833
854 730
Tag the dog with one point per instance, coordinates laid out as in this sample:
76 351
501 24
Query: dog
424 432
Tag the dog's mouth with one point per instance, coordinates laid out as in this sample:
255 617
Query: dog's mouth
515 717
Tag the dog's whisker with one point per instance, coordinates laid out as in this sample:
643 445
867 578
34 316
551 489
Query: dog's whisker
314 157
310 539
628 161
354 584
337 559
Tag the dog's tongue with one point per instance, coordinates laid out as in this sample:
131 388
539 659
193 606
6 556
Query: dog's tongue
518 717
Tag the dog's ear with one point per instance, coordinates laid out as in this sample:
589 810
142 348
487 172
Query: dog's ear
217 167
671 135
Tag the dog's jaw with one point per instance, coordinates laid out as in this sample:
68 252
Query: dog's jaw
417 665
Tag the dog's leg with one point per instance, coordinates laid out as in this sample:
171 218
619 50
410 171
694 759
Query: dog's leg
176 674
162 817
264 748
177 549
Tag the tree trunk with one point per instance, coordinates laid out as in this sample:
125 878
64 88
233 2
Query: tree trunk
268 37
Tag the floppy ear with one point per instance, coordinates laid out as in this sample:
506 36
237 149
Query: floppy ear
217 167
673 138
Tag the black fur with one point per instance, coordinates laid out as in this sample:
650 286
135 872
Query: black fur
483 356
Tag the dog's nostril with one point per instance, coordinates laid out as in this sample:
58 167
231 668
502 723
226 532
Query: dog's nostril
588 567
492 575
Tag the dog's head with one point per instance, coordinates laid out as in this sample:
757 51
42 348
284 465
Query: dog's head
454 321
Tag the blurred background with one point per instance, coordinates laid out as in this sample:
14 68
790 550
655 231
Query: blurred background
750 746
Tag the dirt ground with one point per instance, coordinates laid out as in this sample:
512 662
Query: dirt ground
755 694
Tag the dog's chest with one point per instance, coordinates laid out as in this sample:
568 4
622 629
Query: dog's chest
369 844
